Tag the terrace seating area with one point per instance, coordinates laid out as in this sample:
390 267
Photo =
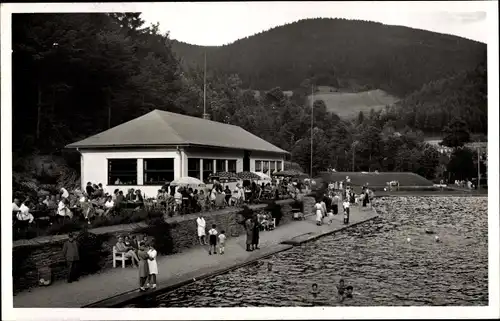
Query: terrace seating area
55 213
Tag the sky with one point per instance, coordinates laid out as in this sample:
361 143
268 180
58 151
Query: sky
219 23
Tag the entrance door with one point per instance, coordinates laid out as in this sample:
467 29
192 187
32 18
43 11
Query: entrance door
246 161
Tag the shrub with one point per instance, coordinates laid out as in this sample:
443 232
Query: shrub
92 253
65 227
159 231
275 210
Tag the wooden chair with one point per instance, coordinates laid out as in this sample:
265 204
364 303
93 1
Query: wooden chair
119 256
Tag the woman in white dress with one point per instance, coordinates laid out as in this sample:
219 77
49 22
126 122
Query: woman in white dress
200 221
318 207
152 266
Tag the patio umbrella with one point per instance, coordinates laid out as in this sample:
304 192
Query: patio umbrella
291 173
187 180
226 175
263 177
248 176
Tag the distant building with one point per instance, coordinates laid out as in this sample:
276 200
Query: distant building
161 146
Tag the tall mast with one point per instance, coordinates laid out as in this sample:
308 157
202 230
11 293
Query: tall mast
312 122
205 87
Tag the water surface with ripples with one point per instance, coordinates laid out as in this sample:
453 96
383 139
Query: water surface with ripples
375 258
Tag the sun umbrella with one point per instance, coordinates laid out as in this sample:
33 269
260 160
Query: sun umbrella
187 180
248 176
226 175
291 173
263 177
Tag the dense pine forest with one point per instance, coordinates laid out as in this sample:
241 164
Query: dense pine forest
75 75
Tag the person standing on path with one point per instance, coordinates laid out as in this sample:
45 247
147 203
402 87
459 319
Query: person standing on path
72 256
143 266
318 208
255 234
200 221
335 203
346 211
222 241
249 228
212 234
152 266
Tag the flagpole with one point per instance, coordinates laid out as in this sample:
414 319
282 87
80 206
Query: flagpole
205 88
312 122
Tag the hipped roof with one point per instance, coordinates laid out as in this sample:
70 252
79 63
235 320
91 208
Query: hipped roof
162 128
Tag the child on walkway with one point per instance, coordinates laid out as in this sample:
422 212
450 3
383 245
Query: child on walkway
212 240
222 242
346 211
152 266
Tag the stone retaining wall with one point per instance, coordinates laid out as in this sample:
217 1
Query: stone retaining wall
35 254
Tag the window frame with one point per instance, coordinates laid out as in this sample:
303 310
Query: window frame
229 161
127 173
217 163
145 171
198 170
258 168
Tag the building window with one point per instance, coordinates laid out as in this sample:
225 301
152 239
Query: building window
208 168
258 165
158 171
220 165
272 166
231 166
194 167
122 171
266 167
278 165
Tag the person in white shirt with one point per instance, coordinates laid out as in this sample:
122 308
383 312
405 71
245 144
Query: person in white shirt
109 205
46 201
212 233
62 210
15 205
24 214
319 212
222 241
64 193
200 221
346 211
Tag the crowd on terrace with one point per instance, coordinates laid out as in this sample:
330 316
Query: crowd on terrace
94 202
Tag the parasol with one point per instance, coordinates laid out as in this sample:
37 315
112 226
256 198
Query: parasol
262 176
248 176
291 173
187 180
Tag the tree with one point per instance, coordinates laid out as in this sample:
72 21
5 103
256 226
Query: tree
461 165
456 134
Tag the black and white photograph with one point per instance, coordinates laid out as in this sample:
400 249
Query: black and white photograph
331 158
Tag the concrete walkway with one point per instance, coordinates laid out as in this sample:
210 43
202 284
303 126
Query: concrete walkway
115 286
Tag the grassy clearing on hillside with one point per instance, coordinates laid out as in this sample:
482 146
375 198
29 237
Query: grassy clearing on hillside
348 105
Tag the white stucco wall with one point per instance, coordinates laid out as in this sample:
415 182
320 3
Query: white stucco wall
95 167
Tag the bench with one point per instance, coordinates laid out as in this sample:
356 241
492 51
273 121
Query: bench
119 256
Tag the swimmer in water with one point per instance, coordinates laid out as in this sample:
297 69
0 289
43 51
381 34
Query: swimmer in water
348 292
315 290
341 288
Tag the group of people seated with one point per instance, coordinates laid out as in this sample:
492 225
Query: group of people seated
129 245
91 202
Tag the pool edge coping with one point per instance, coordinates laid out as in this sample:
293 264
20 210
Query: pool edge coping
121 299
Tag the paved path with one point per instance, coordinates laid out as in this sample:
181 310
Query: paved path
176 268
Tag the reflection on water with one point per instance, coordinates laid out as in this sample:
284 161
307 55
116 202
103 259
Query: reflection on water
375 258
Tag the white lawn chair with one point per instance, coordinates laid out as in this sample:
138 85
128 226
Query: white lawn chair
272 224
119 256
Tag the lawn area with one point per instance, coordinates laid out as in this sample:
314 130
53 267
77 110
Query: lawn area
348 105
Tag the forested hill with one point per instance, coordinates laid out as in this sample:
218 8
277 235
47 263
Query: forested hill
463 96
341 53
